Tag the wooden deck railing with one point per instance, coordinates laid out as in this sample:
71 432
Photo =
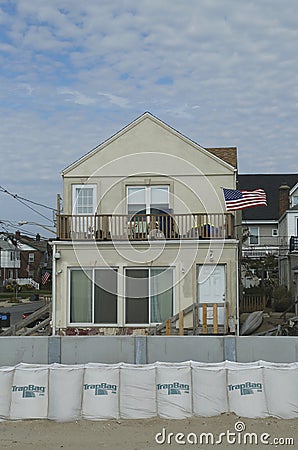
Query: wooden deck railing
202 321
20 328
142 227
293 244
251 303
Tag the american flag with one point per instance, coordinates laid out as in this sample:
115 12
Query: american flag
45 277
236 199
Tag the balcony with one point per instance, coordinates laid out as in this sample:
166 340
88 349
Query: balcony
293 244
144 227
260 251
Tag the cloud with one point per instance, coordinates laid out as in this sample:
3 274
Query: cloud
77 97
115 99
74 73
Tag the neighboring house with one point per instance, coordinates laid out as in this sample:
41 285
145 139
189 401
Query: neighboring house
261 224
144 234
34 257
9 259
266 240
288 226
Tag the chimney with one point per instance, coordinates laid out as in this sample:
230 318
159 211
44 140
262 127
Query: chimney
284 200
18 234
37 237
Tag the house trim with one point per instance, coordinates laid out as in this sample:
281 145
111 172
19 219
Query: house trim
260 222
294 188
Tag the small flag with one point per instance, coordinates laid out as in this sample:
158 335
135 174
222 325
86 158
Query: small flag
236 199
45 277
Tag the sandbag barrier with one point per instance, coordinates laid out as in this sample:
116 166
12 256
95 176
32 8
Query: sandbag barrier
168 390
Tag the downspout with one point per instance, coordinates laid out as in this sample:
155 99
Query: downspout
237 295
238 256
54 292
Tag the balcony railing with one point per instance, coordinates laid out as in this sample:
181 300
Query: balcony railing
259 251
143 227
293 244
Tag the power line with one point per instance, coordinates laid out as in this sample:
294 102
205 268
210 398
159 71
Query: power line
25 231
19 199
16 196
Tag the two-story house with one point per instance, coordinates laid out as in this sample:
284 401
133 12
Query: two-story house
25 260
262 237
35 256
288 226
144 234
9 259
261 224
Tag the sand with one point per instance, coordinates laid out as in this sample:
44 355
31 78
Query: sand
140 434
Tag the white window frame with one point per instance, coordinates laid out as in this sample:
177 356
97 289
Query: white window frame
31 258
91 324
255 236
75 187
143 325
274 232
294 200
148 194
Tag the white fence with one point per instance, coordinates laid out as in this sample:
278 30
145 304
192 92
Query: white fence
173 391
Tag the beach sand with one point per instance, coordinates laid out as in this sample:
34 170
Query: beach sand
140 434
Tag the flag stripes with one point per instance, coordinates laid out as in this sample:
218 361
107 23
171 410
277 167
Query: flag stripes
239 199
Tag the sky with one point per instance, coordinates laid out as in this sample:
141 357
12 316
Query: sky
73 73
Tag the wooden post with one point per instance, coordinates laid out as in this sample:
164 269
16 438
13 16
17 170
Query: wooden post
168 327
105 227
58 215
264 302
215 319
204 315
181 323
195 318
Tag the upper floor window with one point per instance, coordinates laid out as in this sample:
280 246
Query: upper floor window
253 235
14 255
84 198
295 200
147 199
31 257
274 231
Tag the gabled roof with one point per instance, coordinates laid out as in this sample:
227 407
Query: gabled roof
24 242
219 154
270 183
40 246
228 154
6 245
293 189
